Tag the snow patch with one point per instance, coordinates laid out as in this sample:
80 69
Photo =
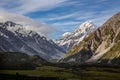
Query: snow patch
2 34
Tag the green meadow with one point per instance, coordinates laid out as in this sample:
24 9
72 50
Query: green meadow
73 73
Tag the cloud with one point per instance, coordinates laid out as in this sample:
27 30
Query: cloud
57 17
98 17
27 6
104 16
66 23
100 20
69 18
5 16
43 29
28 23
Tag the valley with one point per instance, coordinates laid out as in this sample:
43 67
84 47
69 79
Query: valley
85 51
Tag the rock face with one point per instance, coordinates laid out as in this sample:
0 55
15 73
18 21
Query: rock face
102 45
70 39
15 38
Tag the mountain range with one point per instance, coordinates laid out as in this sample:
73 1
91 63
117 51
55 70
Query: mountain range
16 38
86 44
100 46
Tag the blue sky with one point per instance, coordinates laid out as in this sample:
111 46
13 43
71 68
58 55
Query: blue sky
59 16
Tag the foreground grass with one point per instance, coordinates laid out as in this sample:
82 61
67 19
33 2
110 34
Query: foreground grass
79 73
46 71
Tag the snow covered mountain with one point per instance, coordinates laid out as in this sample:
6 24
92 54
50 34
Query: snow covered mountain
70 39
16 38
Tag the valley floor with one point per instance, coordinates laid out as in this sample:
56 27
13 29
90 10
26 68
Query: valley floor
58 73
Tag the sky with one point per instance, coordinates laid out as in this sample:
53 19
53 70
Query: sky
52 18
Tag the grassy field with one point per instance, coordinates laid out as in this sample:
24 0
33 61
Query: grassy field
76 73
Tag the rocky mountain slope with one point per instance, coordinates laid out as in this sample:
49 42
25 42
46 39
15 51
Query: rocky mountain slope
70 39
15 38
102 45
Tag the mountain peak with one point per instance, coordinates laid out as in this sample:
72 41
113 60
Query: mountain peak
70 39
66 34
10 23
87 25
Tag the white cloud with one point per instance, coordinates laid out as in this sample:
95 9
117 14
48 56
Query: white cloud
78 15
98 17
26 6
43 29
101 19
65 23
57 17
29 23
103 16
5 16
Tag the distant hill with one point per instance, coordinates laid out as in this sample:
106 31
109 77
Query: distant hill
16 60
